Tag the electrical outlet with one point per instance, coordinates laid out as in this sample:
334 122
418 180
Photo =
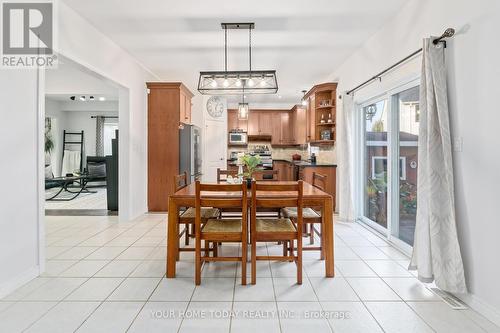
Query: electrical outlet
458 144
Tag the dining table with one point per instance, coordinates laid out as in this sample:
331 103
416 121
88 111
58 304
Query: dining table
312 197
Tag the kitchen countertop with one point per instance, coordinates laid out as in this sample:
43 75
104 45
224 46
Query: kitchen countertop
302 163
298 163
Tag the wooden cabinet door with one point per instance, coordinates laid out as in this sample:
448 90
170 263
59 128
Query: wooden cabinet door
242 124
253 123
276 128
187 115
286 128
265 123
232 120
300 126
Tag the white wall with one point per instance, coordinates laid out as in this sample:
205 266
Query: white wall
20 210
19 170
473 72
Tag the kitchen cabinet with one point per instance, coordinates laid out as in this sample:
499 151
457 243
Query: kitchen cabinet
276 128
265 123
185 106
299 124
233 123
321 107
306 174
169 104
287 131
285 170
253 123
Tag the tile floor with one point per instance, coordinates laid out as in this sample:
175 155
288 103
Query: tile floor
105 276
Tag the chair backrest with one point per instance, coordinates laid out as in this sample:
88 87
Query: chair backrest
319 181
180 181
225 173
221 195
267 174
277 195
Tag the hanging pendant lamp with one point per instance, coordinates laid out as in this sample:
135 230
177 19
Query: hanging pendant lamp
235 82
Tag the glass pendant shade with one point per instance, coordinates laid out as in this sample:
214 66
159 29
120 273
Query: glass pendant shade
243 111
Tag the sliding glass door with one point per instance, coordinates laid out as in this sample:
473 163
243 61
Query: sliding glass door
388 163
375 162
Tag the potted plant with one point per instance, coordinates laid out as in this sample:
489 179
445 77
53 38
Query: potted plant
251 163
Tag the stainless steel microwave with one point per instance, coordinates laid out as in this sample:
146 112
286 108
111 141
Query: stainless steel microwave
238 138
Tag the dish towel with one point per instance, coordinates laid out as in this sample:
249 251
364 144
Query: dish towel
71 162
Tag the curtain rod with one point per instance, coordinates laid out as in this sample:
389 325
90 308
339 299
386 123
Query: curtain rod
447 34
104 116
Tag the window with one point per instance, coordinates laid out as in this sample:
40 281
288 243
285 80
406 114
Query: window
379 165
109 134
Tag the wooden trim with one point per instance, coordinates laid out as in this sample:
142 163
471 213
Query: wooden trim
170 85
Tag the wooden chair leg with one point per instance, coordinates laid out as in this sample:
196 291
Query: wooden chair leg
299 260
186 234
197 263
215 247
254 262
322 242
285 248
207 249
311 234
244 263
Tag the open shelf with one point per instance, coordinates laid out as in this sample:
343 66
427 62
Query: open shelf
325 124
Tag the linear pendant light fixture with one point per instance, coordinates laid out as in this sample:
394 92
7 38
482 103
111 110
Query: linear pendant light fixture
236 82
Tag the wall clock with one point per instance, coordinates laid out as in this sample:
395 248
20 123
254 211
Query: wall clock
215 106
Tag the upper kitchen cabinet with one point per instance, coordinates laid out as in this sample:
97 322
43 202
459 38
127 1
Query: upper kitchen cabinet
321 113
298 122
169 105
233 123
185 97
265 123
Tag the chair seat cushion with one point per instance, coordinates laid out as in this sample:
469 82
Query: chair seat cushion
307 213
274 225
222 225
206 213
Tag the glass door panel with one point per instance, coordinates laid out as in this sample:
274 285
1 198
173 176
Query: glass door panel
407 103
375 162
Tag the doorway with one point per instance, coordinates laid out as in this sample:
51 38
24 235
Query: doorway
80 142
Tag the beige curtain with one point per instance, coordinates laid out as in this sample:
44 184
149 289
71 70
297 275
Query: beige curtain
436 251
345 144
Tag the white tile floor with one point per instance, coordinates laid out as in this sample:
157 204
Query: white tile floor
104 276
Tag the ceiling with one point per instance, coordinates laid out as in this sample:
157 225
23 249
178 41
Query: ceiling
305 41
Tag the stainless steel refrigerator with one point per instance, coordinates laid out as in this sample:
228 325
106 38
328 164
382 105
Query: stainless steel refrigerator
190 152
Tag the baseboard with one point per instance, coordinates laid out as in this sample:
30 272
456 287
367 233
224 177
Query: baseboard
488 311
9 286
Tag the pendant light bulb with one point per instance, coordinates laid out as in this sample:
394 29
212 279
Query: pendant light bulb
213 83
238 82
250 82
304 102
225 83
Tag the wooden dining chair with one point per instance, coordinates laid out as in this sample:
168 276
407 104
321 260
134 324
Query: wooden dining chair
280 229
311 218
218 231
187 215
225 173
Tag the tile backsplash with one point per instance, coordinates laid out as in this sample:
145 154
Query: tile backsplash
325 154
